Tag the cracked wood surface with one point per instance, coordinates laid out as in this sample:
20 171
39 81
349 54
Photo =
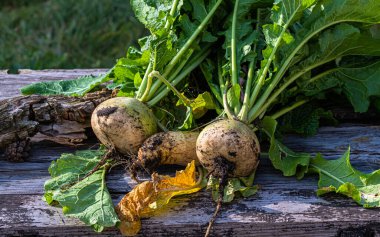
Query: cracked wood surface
57 118
282 207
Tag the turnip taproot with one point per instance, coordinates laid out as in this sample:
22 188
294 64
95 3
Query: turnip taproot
123 123
167 148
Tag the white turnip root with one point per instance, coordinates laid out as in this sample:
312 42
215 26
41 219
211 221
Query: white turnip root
123 123
228 147
167 148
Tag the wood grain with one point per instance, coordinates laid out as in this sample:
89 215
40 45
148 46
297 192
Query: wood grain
284 206
10 84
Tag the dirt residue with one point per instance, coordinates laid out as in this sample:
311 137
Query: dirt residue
106 111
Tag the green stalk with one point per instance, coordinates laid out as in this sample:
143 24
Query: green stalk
234 71
288 109
174 74
317 77
244 111
160 125
179 78
147 89
186 46
234 68
172 12
268 102
184 63
220 78
142 87
156 74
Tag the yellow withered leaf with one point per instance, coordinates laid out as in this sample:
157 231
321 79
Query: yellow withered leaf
147 197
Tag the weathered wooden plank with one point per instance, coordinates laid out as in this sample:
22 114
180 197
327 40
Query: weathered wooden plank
10 84
291 212
283 205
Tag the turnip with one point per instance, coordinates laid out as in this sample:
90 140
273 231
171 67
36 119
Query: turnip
167 148
123 123
228 146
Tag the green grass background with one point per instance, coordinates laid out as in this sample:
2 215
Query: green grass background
41 34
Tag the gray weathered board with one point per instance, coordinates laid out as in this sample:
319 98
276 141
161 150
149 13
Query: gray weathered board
282 207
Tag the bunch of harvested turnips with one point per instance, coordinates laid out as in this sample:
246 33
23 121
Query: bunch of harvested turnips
211 82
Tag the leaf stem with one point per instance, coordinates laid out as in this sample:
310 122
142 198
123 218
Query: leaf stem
147 89
185 100
289 81
244 111
220 76
172 75
234 72
142 87
192 65
172 12
288 109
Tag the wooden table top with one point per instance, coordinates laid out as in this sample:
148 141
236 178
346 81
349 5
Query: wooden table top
283 206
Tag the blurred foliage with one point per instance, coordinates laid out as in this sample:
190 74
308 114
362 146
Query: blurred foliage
40 34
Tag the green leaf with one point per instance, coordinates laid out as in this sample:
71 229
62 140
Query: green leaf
137 80
333 44
201 104
135 62
164 49
76 87
233 96
62 171
127 89
188 123
340 177
326 14
282 158
309 23
197 11
359 84
88 199
154 14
